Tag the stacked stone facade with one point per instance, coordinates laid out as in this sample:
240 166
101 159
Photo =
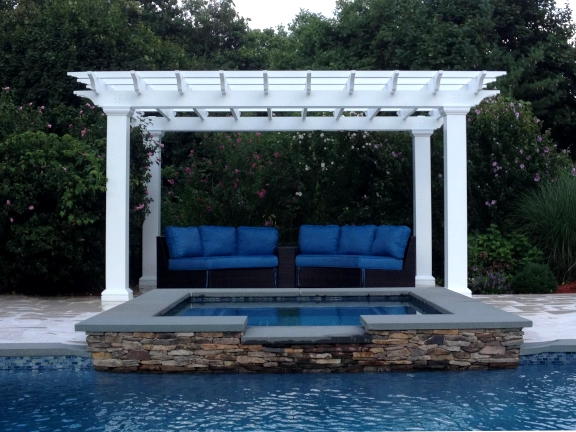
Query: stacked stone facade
215 352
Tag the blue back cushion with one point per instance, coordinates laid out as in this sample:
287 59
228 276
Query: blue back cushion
356 240
256 240
318 239
391 241
218 240
183 242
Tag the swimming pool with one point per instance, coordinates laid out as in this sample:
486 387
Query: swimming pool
528 398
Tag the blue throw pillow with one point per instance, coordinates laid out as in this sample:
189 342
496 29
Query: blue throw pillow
391 241
256 240
356 240
318 239
218 240
183 242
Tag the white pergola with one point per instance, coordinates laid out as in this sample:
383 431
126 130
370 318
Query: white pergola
268 101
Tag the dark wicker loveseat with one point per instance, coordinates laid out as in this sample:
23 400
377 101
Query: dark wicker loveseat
217 257
355 256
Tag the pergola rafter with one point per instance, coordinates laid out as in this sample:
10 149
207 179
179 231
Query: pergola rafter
269 101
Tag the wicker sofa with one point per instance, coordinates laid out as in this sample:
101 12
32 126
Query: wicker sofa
355 256
217 257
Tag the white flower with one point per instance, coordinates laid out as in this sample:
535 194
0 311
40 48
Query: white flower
299 193
322 135
322 164
307 168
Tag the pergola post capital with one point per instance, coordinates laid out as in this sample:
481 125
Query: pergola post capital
421 133
459 110
118 111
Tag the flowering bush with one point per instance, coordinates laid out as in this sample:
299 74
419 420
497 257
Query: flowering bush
508 152
489 282
52 197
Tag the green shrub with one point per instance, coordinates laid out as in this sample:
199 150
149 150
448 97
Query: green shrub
534 278
548 216
494 255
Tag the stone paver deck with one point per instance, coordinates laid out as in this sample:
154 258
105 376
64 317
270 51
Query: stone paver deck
52 319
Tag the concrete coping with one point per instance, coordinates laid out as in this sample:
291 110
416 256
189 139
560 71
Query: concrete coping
144 314
42 349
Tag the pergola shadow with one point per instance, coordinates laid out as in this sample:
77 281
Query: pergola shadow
415 101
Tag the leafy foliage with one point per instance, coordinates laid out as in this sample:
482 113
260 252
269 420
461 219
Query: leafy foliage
494 252
534 278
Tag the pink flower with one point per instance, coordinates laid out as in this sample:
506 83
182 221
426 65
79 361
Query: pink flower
256 156
171 181
208 208
239 140
20 108
83 132
258 134
7 202
6 88
64 168
537 177
517 115
49 126
539 139
236 171
139 207
81 112
70 125
276 154
254 165
266 223
161 145
261 193
521 166
11 220
31 208
493 202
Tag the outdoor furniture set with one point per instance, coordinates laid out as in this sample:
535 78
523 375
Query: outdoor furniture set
249 257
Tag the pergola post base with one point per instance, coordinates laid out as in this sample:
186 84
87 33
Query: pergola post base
425 281
461 290
147 283
117 295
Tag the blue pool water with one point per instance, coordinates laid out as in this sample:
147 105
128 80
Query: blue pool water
529 398
301 316
302 311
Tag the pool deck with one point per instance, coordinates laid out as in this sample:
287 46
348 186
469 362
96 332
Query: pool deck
46 324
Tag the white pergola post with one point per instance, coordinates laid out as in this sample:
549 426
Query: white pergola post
422 212
152 225
455 201
117 202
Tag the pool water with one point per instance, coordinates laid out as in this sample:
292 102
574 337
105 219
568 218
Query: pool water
303 311
528 398
301 316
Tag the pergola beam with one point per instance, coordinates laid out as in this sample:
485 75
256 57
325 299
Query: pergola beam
294 124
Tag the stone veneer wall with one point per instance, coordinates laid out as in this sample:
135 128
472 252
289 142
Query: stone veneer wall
223 352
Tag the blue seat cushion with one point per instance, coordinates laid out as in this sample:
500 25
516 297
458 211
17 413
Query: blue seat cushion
218 240
183 242
356 240
349 261
223 262
256 240
391 241
318 239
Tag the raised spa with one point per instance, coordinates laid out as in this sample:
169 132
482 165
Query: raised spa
463 334
302 311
